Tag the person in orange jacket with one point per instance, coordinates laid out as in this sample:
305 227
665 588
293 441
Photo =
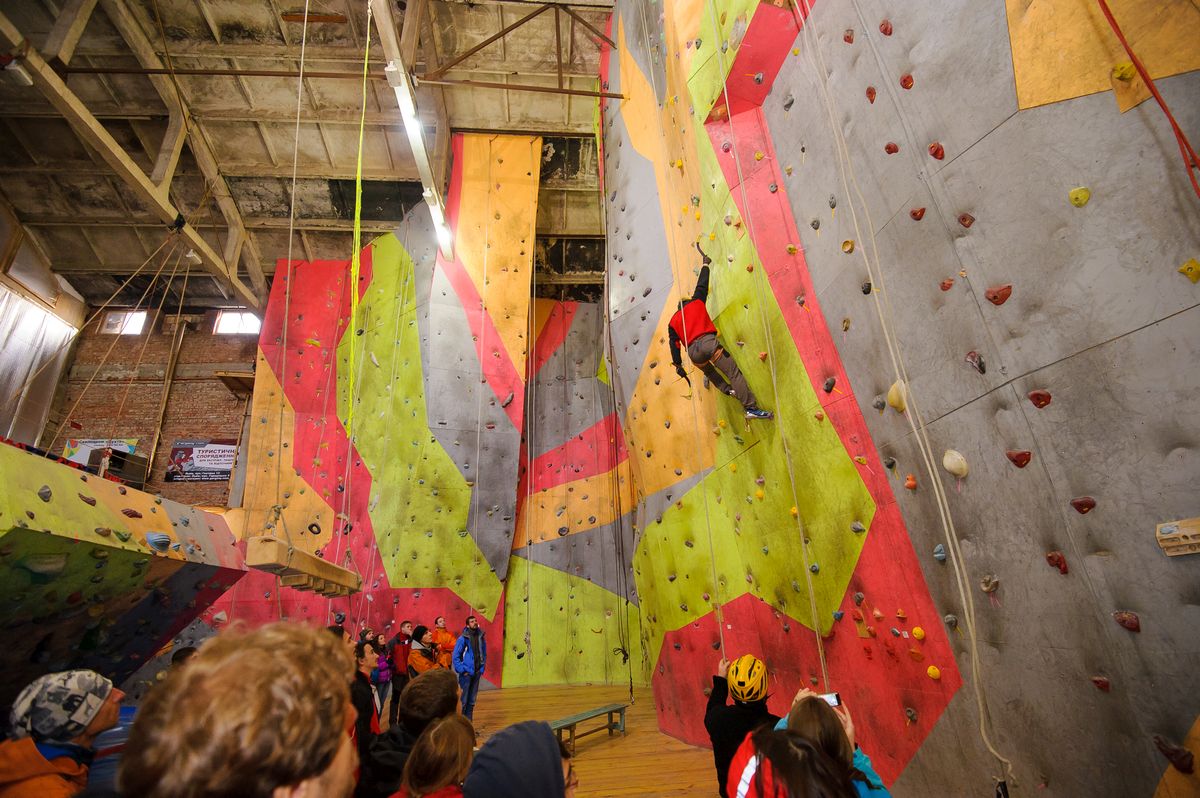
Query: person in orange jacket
443 641
422 657
55 721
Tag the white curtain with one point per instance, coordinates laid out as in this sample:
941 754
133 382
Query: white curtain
31 339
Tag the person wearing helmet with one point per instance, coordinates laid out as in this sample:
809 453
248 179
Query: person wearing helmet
745 679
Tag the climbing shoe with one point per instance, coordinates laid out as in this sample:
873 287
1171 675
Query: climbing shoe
763 414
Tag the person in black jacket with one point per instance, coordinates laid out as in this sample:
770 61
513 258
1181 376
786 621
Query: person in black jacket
432 695
366 703
746 680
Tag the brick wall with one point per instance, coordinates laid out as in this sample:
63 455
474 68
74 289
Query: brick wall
199 405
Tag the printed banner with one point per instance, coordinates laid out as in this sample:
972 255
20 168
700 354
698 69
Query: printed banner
201 460
78 450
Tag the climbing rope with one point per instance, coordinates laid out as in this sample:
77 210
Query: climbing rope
916 424
698 465
762 298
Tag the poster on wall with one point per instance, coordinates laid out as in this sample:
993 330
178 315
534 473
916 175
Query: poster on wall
78 450
201 460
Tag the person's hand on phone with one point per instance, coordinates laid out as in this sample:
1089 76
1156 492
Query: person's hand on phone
802 694
723 667
847 724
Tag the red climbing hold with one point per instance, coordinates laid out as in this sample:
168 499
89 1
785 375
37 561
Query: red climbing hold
1180 758
871 94
885 27
1102 683
917 214
1019 459
1084 504
998 294
937 151
906 81
966 219
1039 398
1128 620
1057 560
891 148
848 36
947 284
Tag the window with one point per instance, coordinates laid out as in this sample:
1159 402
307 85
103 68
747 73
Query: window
124 322
237 322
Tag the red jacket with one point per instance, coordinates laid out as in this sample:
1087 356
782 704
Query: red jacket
692 322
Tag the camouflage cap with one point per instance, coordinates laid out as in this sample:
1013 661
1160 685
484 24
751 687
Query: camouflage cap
57 707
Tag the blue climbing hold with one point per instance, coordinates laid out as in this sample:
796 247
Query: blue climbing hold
838 615
939 553
158 541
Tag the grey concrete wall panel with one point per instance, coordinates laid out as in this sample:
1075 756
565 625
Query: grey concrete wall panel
642 20
591 555
565 410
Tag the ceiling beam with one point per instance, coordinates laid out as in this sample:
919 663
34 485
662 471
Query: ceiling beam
133 34
93 133
67 30
270 223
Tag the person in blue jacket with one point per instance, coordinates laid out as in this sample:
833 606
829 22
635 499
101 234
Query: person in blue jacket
469 660
832 731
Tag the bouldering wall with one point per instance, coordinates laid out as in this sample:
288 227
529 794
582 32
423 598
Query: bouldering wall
570 578
97 575
924 242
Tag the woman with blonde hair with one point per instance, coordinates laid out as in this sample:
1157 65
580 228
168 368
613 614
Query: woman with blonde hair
439 761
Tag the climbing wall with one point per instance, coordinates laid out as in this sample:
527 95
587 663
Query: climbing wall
570 600
941 282
96 575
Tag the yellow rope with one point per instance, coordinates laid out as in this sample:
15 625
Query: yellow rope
354 255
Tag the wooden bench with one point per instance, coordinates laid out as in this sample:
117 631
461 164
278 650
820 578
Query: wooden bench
569 723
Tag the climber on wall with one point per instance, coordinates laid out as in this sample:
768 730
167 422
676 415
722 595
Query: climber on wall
692 326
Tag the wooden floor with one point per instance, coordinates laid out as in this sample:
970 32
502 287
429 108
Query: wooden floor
643 762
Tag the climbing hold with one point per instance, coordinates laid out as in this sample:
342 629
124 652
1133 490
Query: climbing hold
939 553
876 614
131 513
860 459
889 463
975 361
955 463
950 620
871 94
792 249
891 148
879 403
795 513
1019 459
88 500
848 36
897 396
1180 758
906 81
758 494
966 219
1039 398
911 714
910 482
1084 504
934 672
819 415
158 541
866 288
998 294
788 101
918 633
1102 683
44 493
937 151
946 284
847 246
1191 270
1079 196
758 77
773 188
895 632
917 214
1128 619
103 531
814 568
885 27
507 400
829 383
838 615
1057 560
857 526
759 155
858 599
846 325
989 583
901 615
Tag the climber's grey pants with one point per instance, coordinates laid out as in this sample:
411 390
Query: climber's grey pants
708 354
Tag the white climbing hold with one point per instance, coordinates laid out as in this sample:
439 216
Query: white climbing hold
897 396
955 463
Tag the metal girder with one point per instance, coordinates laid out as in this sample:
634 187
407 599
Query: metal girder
52 87
125 23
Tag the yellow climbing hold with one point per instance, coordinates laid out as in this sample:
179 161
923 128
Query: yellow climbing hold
795 512
847 246
721 424
1191 270
1124 71
1080 196
758 494
955 463
791 249
758 155
678 163
860 460
697 216
733 467
897 396
934 672
712 236
795 51
918 633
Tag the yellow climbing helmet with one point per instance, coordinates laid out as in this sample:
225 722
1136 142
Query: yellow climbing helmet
747 678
